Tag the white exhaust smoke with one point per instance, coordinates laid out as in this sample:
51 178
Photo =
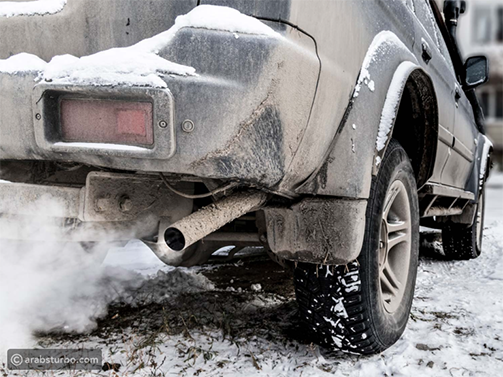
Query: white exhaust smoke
49 285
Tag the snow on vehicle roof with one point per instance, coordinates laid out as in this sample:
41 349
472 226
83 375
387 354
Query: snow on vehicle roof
31 8
140 64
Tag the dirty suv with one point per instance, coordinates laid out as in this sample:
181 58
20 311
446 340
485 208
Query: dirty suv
325 131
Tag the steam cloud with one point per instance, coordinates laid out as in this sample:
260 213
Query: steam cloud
49 285
52 286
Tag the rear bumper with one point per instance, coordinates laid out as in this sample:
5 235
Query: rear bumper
22 199
110 207
247 105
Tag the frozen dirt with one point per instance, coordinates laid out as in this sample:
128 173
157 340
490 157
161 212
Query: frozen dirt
239 319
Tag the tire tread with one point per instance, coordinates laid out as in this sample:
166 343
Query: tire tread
352 327
316 297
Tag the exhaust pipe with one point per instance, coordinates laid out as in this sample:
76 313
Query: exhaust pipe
207 220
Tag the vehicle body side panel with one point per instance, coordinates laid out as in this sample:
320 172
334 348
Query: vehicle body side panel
339 69
349 148
462 159
441 71
348 170
457 127
271 10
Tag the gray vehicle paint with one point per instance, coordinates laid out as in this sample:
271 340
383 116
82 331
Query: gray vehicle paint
297 128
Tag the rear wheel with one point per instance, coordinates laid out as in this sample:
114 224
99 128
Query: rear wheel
364 307
461 241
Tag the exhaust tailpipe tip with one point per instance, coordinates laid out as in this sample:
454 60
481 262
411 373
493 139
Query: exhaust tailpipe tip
196 226
174 239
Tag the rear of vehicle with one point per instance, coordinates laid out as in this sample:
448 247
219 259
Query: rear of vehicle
94 134
193 127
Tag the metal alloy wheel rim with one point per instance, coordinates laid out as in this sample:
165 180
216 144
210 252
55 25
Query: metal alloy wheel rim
394 246
480 213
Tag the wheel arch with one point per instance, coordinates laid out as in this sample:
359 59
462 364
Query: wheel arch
349 163
414 123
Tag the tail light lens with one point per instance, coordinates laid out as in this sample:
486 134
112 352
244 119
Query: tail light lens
106 121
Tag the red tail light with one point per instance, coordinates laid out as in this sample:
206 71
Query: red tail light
106 121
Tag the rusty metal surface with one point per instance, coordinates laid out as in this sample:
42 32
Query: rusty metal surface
202 223
125 197
214 216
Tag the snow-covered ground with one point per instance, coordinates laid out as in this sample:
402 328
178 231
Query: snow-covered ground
239 318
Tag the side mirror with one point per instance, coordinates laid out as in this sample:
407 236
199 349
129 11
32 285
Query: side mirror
476 71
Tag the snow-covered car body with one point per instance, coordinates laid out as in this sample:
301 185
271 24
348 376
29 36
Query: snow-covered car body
297 98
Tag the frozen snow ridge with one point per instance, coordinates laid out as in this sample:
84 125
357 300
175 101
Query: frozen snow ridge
31 8
22 63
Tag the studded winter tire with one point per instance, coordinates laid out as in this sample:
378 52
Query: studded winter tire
363 307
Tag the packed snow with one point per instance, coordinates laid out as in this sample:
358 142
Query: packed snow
140 64
130 66
483 165
31 8
380 46
231 319
22 63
